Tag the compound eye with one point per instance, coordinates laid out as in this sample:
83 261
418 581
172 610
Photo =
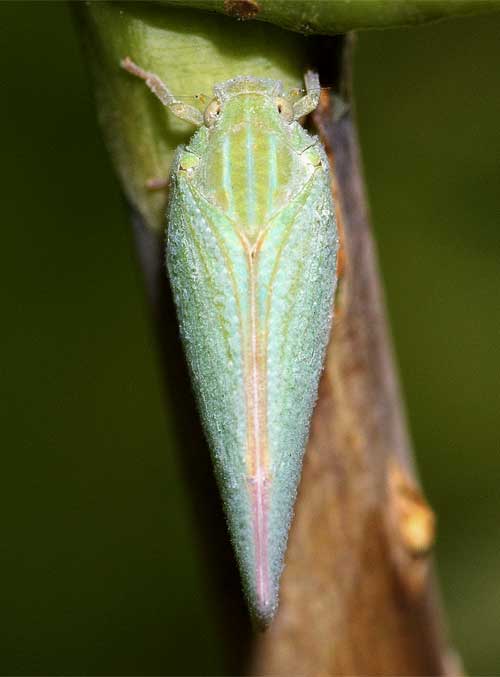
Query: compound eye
284 109
212 112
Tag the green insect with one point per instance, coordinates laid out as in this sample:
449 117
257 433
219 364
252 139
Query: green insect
251 256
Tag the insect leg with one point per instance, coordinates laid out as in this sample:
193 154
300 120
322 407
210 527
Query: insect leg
160 90
310 101
156 184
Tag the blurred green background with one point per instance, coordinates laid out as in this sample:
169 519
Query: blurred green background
99 565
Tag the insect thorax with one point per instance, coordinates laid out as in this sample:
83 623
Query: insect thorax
252 161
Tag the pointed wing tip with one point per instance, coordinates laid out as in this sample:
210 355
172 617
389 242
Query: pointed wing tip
263 615
263 607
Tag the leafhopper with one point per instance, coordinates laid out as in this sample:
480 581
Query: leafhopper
251 256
